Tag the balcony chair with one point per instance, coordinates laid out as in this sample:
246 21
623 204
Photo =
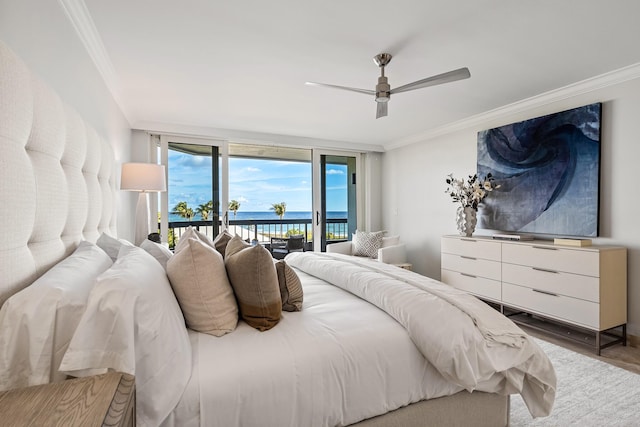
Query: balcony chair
390 252
281 246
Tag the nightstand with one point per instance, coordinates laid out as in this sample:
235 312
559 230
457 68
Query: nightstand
101 400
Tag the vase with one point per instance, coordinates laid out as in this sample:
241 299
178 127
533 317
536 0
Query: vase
466 221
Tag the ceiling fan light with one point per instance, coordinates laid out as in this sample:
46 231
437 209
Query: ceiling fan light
383 90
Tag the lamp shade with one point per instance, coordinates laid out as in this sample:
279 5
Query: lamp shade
143 177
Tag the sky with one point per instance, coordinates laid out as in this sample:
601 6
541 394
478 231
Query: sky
257 184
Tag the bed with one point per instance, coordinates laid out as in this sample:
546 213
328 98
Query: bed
373 345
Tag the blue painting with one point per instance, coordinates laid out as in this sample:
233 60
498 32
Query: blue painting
548 170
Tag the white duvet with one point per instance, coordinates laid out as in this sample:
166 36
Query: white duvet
342 359
468 342
338 361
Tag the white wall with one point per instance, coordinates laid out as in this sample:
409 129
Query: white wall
42 36
416 206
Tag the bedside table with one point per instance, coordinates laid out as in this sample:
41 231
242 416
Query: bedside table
101 400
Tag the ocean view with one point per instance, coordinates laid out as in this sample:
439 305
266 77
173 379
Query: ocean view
265 215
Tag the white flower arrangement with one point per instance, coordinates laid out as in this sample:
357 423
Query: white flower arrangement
469 193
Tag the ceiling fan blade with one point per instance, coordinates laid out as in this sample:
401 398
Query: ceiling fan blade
381 110
352 89
451 76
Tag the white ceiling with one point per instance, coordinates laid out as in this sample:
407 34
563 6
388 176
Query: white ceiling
242 65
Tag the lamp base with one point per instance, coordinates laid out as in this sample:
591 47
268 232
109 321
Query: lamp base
142 219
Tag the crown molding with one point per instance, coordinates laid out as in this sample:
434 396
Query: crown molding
78 14
611 78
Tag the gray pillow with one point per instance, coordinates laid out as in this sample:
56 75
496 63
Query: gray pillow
290 287
367 243
221 241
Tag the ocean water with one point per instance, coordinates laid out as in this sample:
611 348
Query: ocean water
266 215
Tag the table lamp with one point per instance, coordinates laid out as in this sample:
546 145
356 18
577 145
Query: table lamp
145 178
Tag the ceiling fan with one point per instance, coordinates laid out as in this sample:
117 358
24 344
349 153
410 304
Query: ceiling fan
383 91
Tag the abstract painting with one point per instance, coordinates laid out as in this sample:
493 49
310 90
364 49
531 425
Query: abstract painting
548 170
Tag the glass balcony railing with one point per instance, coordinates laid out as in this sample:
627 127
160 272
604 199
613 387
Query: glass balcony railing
262 230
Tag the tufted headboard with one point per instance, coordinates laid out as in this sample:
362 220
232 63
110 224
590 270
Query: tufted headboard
57 178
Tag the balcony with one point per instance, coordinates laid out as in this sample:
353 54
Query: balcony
261 230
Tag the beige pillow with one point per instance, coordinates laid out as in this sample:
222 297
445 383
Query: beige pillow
199 279
290 287
255 284
189 233
192 233
204 238
235 245
221 240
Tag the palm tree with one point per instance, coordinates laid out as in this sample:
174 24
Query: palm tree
234 205
279 209
183 210
205 209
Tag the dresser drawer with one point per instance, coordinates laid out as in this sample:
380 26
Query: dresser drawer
581 312
471 265
480 286
583 262
557 282
471 247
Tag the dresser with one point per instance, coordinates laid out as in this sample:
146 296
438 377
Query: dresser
584 287
101 400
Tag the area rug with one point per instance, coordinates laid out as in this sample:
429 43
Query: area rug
589 393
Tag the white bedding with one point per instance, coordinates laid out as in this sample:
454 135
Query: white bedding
338 361
469 343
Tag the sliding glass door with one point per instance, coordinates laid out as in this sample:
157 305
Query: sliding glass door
197 176
336 190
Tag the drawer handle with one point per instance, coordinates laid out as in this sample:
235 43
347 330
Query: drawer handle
469 240
469 275
468 257
546 248
544 292
545 270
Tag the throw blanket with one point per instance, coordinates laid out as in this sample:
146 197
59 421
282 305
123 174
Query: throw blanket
468 342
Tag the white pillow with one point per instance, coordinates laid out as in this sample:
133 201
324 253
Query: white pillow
111 245
37 323
161 253
133 324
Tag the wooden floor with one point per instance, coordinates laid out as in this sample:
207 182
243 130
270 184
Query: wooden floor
626 357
